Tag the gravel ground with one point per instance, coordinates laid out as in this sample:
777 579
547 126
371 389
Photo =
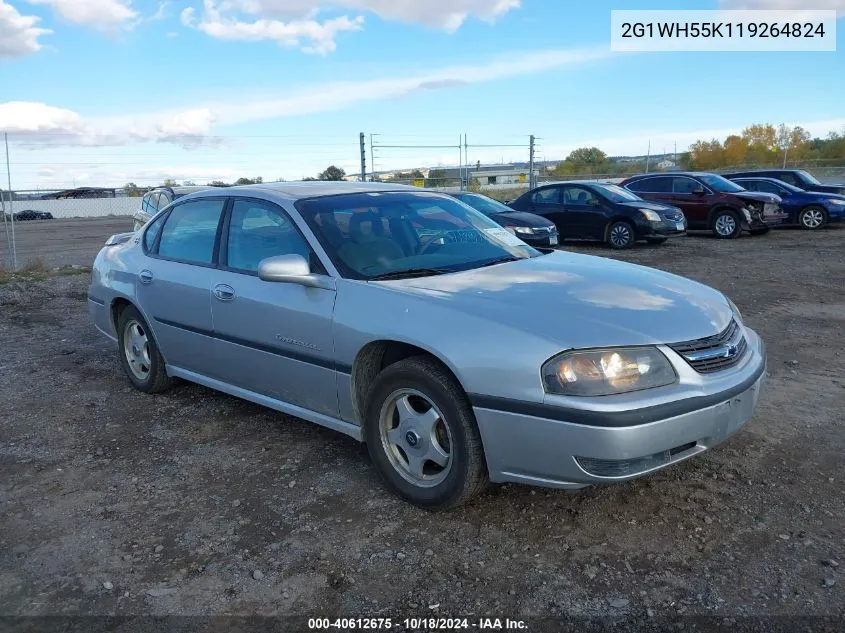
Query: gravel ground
193 502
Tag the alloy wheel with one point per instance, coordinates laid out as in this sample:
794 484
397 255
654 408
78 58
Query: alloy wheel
812 218
136 348
416 438
620 235
725 225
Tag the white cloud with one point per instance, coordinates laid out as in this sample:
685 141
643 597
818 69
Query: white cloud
37 123
105 15
291 22
775 5
311 36
19 33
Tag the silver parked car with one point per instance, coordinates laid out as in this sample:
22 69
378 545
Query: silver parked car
410 321
157 199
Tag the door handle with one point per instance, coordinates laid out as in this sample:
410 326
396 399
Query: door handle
145 276
224 292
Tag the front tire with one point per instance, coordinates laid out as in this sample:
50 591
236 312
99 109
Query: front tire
812 218
726 225
620 235
139 355
422 436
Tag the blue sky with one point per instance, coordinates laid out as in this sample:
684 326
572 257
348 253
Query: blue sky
111 91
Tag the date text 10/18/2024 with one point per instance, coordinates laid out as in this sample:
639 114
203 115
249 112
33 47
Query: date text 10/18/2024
417 624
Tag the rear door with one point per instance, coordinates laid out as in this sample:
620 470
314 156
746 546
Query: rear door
274 338
584 212
173 284
656 188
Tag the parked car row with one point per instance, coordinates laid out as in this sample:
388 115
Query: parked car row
658 206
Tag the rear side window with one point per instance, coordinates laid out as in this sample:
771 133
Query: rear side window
190 231
547 195
787 177
658 184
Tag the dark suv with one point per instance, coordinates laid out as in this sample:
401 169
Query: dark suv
594 210
710 201
795 177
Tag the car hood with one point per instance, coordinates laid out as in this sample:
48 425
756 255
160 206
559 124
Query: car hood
520 218
580 300
652 206
757 196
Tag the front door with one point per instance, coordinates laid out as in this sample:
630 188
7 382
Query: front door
696 206
172 284
274 338
585 213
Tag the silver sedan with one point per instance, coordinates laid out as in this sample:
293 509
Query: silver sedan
416 324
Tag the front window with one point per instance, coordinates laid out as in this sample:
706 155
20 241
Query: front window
484 204
807 177
615 193
720 184
394 234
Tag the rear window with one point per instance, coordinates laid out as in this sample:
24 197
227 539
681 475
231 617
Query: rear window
657 184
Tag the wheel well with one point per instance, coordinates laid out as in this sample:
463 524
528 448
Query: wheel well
372 359
117 306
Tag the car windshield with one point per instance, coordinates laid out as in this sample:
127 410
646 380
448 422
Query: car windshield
807 177
486 205
616 193
720 184
391 234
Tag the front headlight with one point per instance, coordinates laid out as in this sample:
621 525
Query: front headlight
524 230
608 371
836 202
650 215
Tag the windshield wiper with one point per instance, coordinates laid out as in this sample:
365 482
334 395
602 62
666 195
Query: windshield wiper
502 260
410 272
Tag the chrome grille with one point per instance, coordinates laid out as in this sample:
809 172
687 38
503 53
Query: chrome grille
674 216
714 353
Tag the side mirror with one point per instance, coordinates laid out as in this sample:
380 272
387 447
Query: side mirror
698 191
292 269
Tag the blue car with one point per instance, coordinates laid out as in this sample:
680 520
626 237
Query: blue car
808 209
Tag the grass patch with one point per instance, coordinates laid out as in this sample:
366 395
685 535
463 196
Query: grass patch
37 270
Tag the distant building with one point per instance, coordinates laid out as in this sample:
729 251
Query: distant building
666 164
485 174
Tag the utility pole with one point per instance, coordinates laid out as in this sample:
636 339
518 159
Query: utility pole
532 181
372 160
461 165
466 158
363 157
648 157
13 251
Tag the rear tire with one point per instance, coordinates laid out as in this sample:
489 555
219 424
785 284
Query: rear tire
656 240
620 235
422 435
139 355
812 218
726 224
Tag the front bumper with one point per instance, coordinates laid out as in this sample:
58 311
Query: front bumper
567 454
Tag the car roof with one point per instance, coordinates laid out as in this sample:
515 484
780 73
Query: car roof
674 173
298 190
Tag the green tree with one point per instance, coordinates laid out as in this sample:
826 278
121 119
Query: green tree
734 150
189 183
218 183
169 182
587 156
331 173
249 181
762 143
706 155
133 191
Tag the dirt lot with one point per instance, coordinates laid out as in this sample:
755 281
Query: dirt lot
192 502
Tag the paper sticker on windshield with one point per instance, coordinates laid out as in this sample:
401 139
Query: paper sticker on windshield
505 236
